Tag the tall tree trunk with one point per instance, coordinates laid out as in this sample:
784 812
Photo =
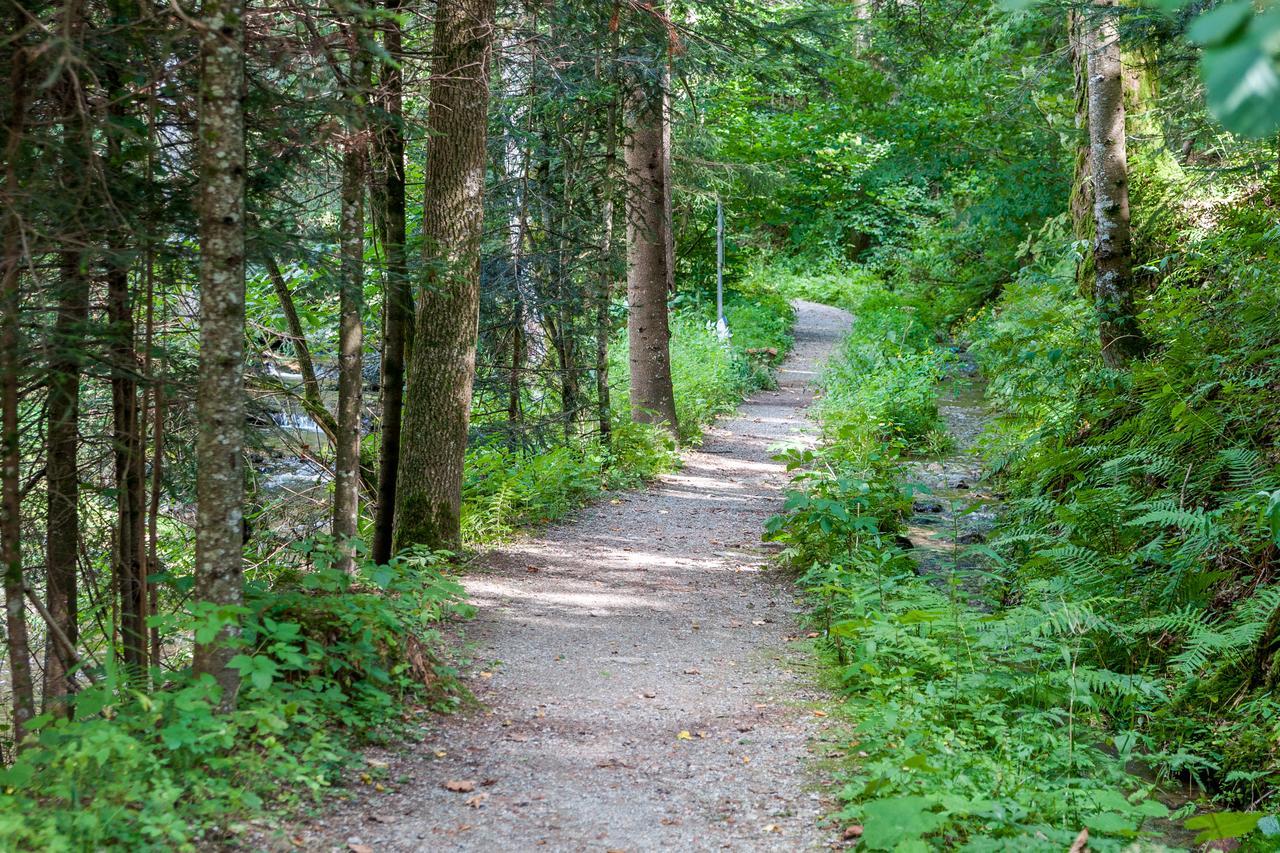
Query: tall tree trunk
346 490
126 432
519 51
19 649
648 253
1081 201
398 297
126 437
609 185
604 282
159 405
220 394
62 518
514 413
442 364
1118 331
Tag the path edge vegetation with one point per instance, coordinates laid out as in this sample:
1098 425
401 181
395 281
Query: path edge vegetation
1083 194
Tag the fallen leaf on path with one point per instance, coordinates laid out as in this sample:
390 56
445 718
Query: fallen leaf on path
460 786
812 635
671 821
533 570
486 674
477 801
757 621
684 735
440 753
772 827
382 818
359 848
693 671
819 713
488 783
852 831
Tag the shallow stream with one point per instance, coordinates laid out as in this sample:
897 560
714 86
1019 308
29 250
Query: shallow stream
955 508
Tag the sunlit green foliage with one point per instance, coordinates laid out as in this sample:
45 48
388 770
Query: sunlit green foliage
329 661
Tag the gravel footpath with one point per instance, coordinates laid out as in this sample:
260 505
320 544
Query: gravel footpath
636 688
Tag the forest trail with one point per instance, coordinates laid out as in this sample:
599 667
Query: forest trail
601 640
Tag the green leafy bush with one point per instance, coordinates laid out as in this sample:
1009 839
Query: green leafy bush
327 661
980 722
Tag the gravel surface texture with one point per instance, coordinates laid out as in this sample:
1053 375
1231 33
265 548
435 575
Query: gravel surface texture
636 687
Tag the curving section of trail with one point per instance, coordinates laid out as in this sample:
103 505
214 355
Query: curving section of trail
633 669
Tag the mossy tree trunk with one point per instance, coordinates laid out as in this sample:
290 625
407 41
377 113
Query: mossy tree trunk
220 393
442 364
1118 331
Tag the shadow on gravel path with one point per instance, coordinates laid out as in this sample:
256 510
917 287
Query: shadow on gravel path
639 691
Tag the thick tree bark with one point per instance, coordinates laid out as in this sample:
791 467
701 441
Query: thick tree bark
1118 331
1081 201
220 394
346 491
442 364
648 254
398 296
19 663
62 518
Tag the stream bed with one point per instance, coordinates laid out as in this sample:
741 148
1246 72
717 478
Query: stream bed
955 508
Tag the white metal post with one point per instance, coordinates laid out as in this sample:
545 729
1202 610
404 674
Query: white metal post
722 325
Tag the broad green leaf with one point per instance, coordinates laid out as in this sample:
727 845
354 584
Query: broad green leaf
1111 823
1223 825
889 822
920 762
1242 80
17 776
1221 25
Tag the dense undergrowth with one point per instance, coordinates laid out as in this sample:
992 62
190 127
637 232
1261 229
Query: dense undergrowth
979 721
330 662
507 487
1127 606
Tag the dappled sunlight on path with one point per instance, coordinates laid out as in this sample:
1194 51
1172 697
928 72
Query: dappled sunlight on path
636 687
